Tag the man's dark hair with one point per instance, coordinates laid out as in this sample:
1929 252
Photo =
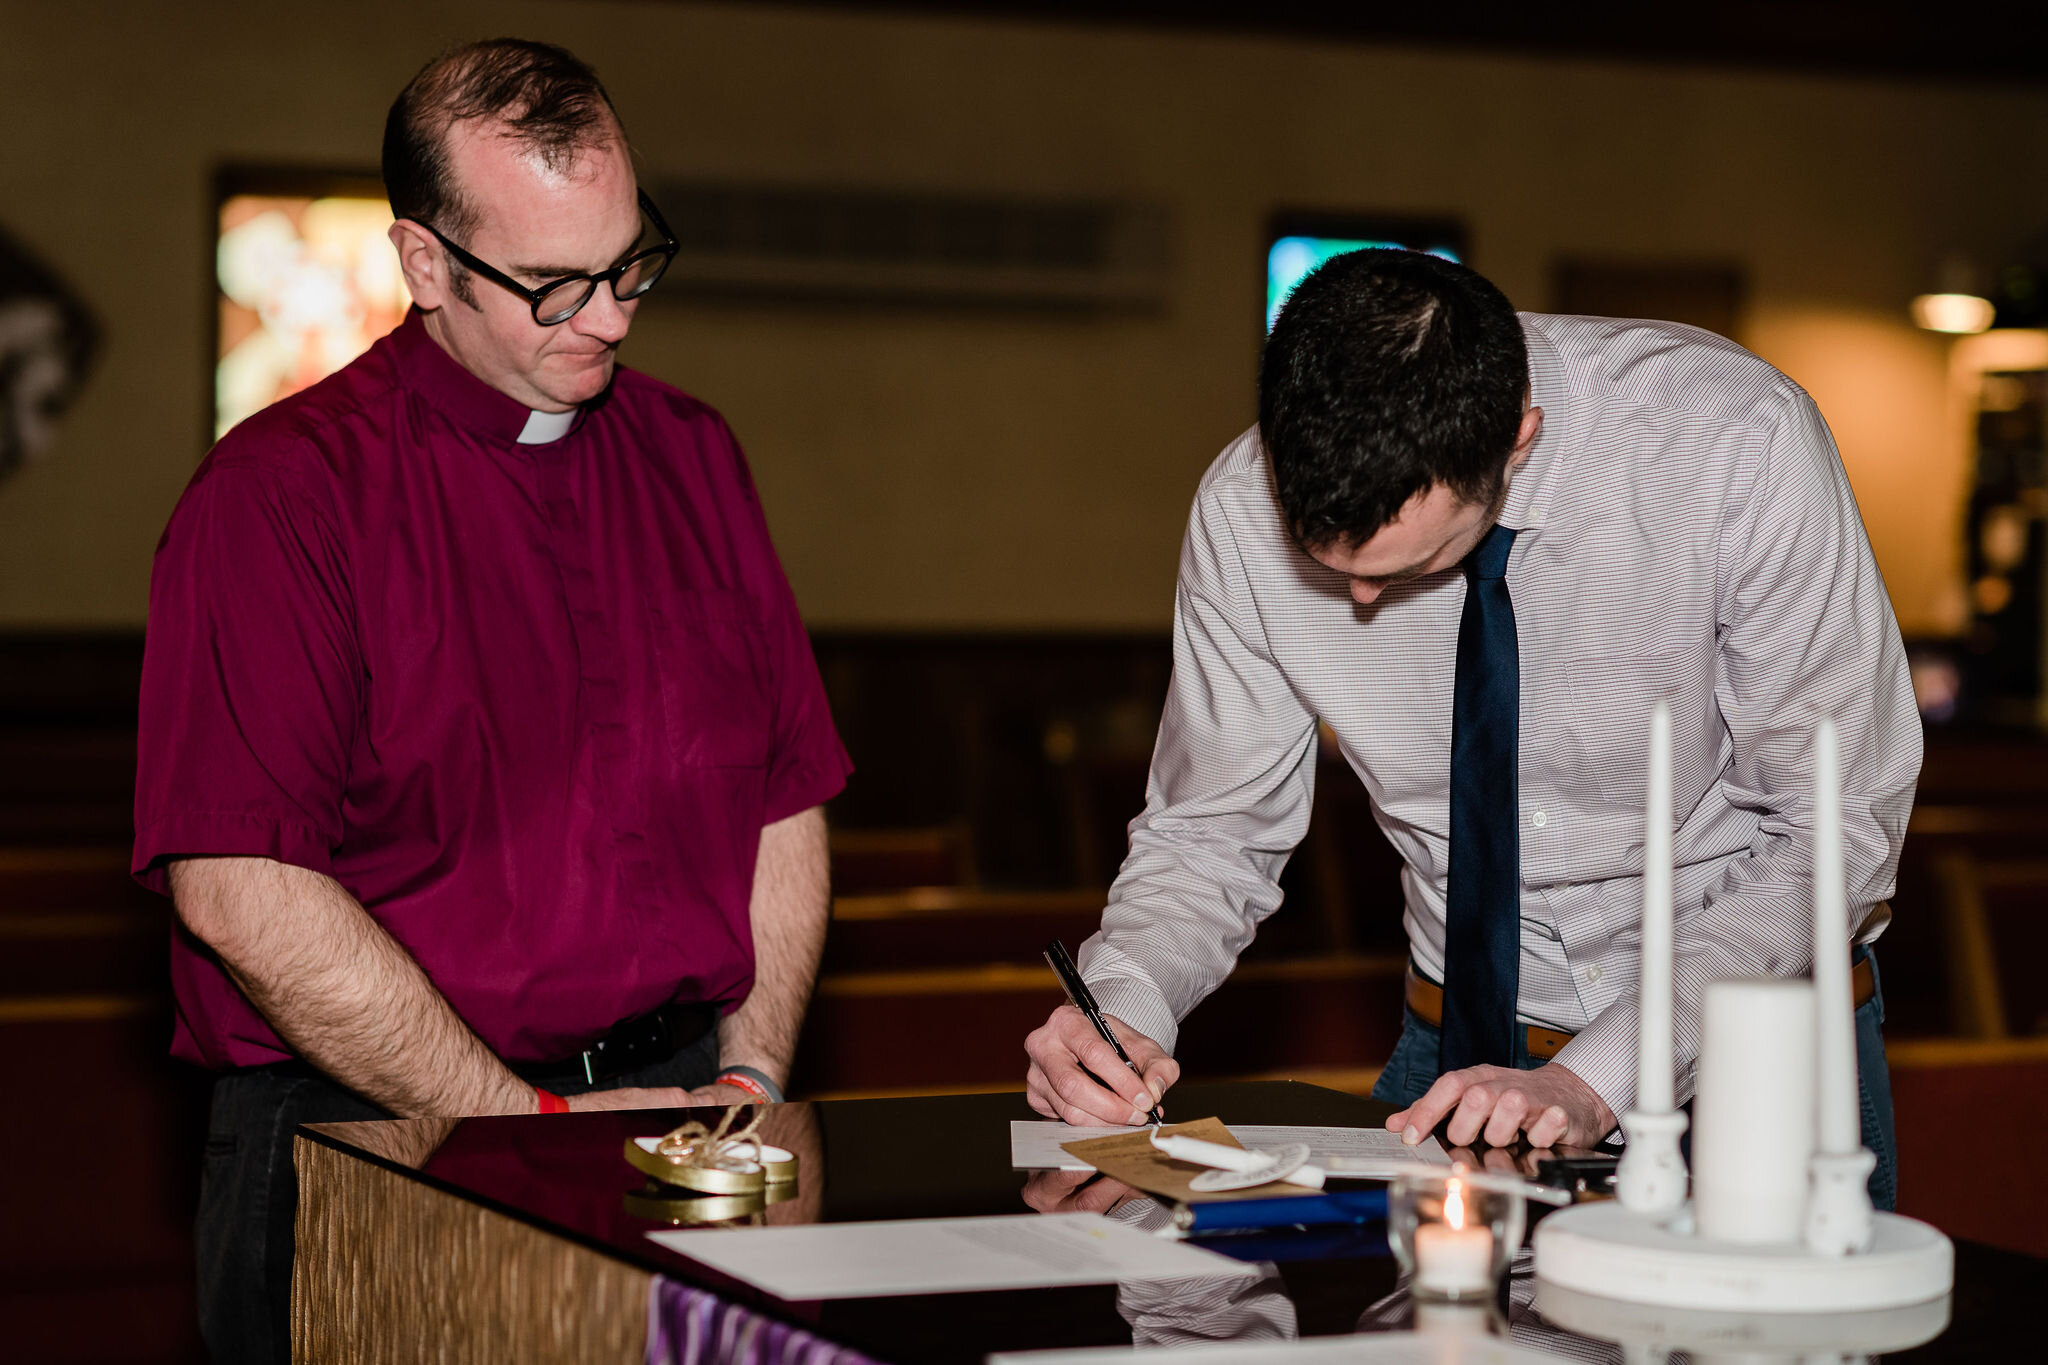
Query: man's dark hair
542 95
1388 373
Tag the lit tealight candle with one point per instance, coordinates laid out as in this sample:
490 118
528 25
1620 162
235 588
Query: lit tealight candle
1451 1258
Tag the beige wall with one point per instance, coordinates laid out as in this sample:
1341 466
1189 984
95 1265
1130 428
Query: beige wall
937 471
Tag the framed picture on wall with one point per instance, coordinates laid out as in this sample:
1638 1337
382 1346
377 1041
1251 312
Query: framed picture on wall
304 279
1297 241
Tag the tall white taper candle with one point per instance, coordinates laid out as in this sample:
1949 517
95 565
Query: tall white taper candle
1841 1115
1653 1034
1651 1177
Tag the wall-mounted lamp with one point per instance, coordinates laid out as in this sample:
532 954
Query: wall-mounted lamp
1959 302
1961 313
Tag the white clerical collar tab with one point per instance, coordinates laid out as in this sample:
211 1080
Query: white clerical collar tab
543 427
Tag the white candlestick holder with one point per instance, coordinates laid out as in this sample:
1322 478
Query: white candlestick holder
1838 1255
1650 1179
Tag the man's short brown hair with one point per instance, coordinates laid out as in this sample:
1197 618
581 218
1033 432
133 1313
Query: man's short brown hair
542 95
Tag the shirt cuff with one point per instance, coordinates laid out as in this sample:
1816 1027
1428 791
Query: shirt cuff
223 834
1140 1005
1603 1055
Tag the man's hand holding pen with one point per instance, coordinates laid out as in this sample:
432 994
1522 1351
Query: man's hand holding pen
1077 1077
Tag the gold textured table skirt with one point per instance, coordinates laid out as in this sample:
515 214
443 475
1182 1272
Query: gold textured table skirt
391 1270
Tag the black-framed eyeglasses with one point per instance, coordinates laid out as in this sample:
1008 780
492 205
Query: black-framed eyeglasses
557 301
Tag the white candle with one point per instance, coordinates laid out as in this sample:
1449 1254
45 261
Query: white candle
1653 992
1451 1258
1753 1117
1841 1114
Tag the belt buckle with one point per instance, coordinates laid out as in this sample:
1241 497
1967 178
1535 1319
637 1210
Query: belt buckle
589 1070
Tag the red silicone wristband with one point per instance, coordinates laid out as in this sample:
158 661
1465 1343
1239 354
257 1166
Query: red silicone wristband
746 1083
551 1104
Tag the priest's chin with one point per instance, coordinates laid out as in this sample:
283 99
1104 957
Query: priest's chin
579 378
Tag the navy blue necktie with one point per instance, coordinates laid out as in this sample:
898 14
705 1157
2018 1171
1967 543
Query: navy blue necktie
1482 963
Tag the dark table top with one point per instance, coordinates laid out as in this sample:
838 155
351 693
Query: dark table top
566 1175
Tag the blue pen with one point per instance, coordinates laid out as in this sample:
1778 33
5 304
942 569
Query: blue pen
1282 1211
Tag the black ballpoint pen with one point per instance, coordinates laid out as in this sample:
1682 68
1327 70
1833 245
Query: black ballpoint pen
1084 1000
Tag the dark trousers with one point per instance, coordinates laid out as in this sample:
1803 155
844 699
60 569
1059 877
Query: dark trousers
1412 1069
249 1192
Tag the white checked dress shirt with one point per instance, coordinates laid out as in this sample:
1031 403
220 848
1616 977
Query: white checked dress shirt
1686 532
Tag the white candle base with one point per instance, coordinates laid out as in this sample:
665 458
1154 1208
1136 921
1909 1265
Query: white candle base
1606 1250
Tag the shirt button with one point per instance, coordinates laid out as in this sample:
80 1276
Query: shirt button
1538 819
1593 972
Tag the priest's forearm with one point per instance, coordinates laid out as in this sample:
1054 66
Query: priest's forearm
791 902
340 990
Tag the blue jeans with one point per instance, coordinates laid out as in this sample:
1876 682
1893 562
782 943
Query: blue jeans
1413 1068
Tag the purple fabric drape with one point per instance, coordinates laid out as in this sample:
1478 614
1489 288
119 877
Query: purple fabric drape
687 1326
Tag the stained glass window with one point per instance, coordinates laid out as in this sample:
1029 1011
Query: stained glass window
307 282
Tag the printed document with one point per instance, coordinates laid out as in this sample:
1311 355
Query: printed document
944 1255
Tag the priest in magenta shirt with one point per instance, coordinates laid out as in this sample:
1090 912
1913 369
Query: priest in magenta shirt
482 747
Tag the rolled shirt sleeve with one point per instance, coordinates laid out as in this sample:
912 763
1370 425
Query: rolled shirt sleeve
252 681
1806 630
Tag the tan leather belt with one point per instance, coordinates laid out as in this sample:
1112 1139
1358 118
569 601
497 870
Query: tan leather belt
1426 998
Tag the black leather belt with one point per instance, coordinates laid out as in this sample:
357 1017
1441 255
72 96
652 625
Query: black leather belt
633 1045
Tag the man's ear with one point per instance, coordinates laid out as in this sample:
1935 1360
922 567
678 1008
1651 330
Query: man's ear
423 263
1525 439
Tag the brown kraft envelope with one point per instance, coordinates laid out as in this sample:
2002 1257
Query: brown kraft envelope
1131 1158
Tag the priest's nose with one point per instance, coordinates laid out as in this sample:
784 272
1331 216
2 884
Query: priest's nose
604 318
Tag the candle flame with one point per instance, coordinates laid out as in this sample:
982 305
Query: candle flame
1454 1205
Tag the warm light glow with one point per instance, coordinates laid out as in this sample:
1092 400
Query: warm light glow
1961 313
306 284
1454 1204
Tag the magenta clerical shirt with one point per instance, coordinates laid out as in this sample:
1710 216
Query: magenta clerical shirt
530 704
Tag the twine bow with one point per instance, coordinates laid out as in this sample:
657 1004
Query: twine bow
715 1149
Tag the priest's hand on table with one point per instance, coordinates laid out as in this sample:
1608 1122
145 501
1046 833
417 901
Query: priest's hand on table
1550 1104
1058 1087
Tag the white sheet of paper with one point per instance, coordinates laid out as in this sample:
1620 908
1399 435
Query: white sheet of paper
1035 1146
944 1255
1379 1348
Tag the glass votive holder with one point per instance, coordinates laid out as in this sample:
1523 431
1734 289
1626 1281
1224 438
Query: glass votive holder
1453 1233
